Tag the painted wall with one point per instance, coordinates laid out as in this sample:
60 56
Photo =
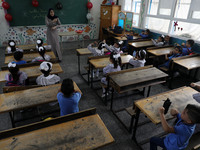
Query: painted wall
28 35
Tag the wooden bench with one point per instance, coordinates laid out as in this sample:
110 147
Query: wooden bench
83 130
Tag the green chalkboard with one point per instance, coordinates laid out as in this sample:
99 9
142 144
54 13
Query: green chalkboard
24 14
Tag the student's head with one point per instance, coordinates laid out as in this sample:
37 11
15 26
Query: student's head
160 39
167 38
189 43
141 54
45 68
12 44
41 51
67 87
101 46
118 44
115 59
13 69
147 32
132 32
191 114
18 55
39 42
178 50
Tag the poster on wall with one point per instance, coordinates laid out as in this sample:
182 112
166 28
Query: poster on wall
121 19
129 20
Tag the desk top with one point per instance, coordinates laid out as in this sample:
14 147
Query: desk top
141 44
83 133
103 62
124 38
30 97
161 51
138 76
85 51
189 63
28 57
32 71
180 98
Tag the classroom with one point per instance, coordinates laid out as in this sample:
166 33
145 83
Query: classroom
100 74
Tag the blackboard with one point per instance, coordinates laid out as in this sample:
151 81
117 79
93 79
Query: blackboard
24 14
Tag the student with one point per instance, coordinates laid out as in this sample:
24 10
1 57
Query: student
177 52
18 55
116 48
68 98
159 41
187 48
99 51
166 40
12 47
15 77
47 79
145 34
180 134
43 56
129 37
139 60
40 42
114 66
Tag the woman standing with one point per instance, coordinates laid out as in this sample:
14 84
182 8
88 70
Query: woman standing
52 23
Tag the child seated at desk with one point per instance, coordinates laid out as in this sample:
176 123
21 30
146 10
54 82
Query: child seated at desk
40 43
18 55
99 51
177 52
145 34
181 133
47 79
129 37
159 41
187 47
15 77
115 66
116 48
68 98
12 47
43 56
139 60
166 40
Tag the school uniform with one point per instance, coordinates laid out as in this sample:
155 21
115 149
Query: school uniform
9 50
137 63
186 50
40 58
166 64
49 80
68 105
129 37
19 62
157 43
112 49
144 36
22 77
109 68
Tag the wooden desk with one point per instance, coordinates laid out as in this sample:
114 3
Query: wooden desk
124 38
33 71
149 106
103 62
115 34
76 131
28 57
141 44
82 52
160 51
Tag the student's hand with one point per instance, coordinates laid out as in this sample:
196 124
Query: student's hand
59 90
55 20
96 42
161 110
92 44
173 112
193 84
177 44
183 44
53 28
104 41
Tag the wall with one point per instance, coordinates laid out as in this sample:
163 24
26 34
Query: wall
28 35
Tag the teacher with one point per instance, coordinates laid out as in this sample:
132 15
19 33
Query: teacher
52 23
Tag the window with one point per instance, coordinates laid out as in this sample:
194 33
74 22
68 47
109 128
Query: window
133 6
161 15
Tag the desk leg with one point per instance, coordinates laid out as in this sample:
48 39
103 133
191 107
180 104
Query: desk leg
79 70
195 74
12 119
111 103
136 124
91 72
107 90
149 91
